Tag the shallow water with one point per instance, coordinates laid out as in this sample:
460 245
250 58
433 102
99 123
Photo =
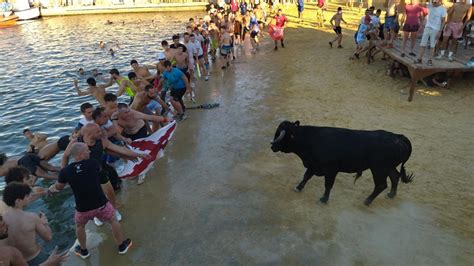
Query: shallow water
40 59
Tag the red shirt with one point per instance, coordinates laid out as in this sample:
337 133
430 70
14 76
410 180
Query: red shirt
280 20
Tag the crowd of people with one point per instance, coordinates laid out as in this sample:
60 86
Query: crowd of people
440 28
92 152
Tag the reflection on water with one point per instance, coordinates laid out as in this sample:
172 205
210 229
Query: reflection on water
40 60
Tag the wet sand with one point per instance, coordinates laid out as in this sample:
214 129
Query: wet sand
221 196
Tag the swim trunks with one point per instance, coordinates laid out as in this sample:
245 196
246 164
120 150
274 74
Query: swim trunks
177 95
390 23
225 50
63 142
184 70
30 161
141 133
300 7
104 213
214 44
338 30
453 29
253 34
152 106
40 258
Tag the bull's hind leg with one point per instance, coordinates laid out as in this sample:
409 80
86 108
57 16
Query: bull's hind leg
307 176
328 183
394 177
380 182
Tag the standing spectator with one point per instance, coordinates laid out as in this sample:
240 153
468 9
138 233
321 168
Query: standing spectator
410 23
433 27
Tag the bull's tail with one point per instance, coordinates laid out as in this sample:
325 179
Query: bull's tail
405 155
403 175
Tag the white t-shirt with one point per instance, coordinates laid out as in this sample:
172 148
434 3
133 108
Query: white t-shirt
197 46
107 124
375 20
82 122
435 14
191 51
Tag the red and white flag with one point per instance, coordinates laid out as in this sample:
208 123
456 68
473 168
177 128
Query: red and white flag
153 145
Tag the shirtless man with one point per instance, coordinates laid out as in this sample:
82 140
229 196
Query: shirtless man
30 161
40 145
133 122
102 119
23 227
21 175
167 50
337 18
458 17
142 71
37 141
181 59
98 91
391 21
192 55
225 45
149 103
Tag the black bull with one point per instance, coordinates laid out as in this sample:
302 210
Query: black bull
325 151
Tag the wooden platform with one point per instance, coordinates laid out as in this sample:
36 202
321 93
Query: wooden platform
420 71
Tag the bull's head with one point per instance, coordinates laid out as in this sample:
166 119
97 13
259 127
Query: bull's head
283 135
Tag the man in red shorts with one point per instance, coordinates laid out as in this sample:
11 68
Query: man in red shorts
458 17
280 21
83 177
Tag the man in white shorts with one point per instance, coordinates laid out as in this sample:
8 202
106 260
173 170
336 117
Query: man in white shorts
434 25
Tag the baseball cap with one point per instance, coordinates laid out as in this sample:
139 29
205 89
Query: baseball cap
161 56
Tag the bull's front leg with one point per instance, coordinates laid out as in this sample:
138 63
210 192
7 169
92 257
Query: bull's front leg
328 183
307 176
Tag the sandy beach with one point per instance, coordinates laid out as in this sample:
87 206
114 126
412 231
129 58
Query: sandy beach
220 196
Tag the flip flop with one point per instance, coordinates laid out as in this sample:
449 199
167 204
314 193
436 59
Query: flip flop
429 62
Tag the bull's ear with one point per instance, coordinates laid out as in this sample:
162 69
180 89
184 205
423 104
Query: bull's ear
297 123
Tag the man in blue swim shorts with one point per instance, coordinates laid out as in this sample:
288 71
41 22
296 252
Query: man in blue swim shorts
391 23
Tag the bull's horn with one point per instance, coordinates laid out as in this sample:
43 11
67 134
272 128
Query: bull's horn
282 135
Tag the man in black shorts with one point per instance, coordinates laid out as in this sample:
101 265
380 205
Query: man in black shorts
134 123
337 18
30 161
83 175
179 85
